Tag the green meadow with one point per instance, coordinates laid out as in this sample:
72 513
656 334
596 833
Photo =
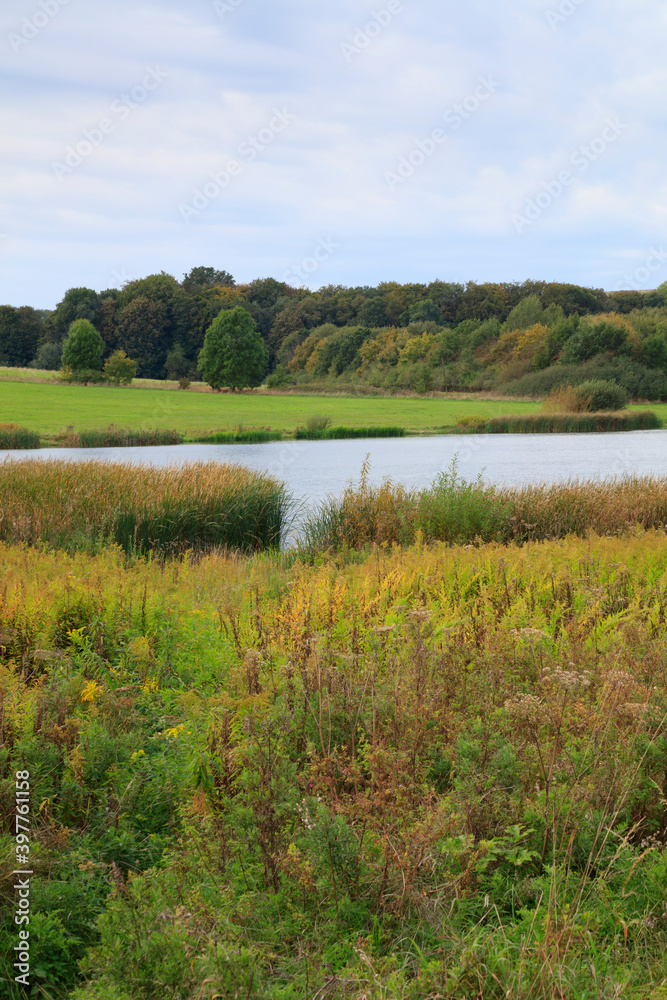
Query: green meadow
50 409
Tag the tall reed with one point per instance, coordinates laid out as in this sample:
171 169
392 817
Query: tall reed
72 506
454 510
117 437
14 437
343 433
563 423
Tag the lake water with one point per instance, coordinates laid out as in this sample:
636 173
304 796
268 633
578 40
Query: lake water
314 469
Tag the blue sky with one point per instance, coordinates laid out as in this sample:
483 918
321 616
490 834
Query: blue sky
332 142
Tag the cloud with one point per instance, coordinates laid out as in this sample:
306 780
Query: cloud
227 71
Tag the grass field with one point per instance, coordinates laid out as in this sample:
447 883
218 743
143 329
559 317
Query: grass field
50 409
420 773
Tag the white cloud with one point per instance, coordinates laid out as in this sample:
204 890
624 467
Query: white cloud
325 174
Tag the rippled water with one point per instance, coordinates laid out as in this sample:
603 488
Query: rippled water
314 469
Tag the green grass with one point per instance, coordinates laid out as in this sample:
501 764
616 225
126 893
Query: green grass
49 409
250 436
566 423
346 433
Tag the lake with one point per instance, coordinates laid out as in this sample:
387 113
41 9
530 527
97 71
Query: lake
314 469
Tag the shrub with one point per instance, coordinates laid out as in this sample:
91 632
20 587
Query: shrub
600 395
119 369
82 376
279 378
184 383
48 358
317 423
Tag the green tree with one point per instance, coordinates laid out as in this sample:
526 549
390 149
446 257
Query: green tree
20 331
233 354
206 277
596 339
141 331
83 347
120 369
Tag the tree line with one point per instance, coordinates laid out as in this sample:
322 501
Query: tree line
161 323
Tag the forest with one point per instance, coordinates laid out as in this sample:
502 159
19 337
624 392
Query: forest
521 338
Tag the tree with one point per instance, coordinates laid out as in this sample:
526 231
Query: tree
120 369
141 331
206 277
83 347
77 303
233 354
20 330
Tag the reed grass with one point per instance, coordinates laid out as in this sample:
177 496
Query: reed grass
454 510
117 437
85 506
563 423
13 437
250 436
342 433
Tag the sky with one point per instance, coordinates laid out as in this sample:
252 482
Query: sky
332 142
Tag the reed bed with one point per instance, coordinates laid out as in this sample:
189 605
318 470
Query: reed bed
456 511
118 437
85 506
342 433
14 437
250 436
564 423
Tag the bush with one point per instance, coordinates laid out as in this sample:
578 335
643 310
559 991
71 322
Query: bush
184 383
119 369
279 378
48 358
639 380
82 376
599 394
